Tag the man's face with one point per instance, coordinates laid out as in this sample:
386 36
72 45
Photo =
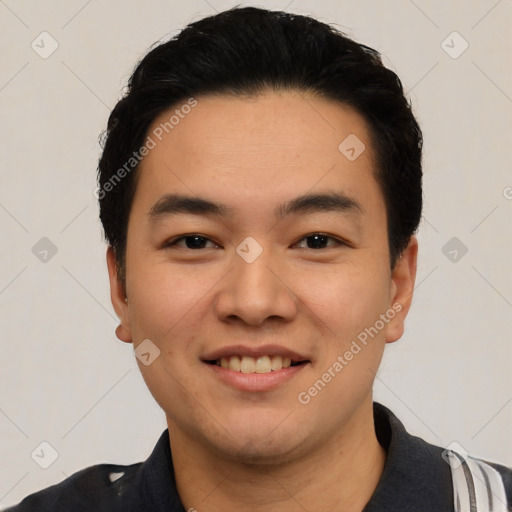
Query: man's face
273 270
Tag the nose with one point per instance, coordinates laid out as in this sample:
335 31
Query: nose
256 291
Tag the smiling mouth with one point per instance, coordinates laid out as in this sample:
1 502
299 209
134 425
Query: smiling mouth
248 364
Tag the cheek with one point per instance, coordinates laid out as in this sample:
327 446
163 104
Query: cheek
166 306
348 299
164 298
346 309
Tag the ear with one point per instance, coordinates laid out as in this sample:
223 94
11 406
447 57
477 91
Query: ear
118 298
403 278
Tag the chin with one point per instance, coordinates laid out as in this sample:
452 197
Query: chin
262 443
264 453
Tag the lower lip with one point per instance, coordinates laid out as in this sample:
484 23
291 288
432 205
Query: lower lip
255 381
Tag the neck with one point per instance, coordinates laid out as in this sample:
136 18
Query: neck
341 474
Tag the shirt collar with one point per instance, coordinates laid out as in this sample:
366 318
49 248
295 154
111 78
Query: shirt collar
416 478
157 480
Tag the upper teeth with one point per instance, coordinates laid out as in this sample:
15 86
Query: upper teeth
247 364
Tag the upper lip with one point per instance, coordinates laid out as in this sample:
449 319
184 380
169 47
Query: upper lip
262 350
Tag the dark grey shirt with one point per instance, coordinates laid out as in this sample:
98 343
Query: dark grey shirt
416 478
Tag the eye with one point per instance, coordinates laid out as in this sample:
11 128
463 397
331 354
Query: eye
319 241
191 242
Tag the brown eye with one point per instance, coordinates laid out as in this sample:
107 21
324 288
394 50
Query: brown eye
318 241
191 242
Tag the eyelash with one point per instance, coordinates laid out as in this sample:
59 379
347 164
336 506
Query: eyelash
173 242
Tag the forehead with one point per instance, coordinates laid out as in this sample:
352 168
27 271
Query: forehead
253 147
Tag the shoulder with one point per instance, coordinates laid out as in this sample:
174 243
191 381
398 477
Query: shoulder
104 487
434 477
479 484
142 487
505 473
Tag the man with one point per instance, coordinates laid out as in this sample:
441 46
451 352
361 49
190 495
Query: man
260 187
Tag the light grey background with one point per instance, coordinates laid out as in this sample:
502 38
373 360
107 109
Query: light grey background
65 378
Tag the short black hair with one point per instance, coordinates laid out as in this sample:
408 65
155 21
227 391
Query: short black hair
247 51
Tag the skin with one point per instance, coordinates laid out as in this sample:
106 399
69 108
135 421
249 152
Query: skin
241 450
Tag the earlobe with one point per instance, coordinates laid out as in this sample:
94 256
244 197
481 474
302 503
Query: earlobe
118 298
122 334
403 278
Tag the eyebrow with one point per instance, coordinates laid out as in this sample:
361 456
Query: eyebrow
318 203
171 204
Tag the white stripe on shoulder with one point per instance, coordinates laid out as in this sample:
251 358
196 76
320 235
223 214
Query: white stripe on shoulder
477 486
496 494
461 497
